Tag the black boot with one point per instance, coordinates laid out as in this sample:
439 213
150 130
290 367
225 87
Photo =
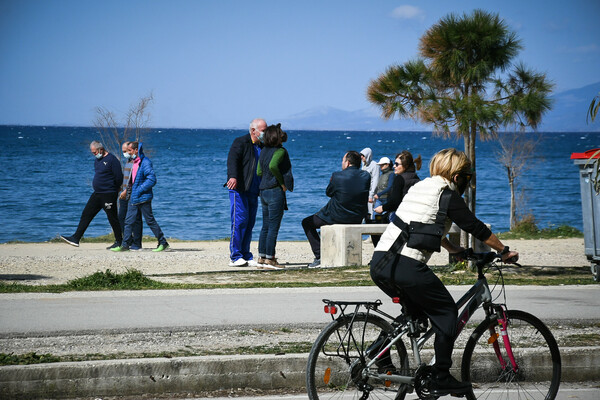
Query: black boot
445 384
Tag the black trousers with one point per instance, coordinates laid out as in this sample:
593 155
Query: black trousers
310 225
97 202
421 292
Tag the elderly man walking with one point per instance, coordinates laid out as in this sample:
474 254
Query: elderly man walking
108 178
243 184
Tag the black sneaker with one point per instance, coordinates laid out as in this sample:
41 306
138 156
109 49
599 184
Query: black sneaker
112 246
71 240
449 385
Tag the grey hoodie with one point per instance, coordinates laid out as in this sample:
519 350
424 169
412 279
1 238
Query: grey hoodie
372 168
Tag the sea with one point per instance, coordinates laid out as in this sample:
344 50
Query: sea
46 176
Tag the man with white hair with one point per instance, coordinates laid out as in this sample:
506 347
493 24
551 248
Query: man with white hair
108 178
243 184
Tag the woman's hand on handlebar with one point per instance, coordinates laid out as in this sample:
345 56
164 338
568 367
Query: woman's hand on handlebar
510 258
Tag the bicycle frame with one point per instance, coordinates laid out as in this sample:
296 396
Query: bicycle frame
479 294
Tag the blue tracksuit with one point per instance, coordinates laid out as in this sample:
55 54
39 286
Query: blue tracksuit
241 164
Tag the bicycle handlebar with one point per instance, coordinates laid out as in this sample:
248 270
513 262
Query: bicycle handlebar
482 259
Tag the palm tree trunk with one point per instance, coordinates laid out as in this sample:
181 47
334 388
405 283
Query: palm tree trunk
464 236
513 202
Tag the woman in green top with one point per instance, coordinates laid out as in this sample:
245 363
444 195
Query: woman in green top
275 168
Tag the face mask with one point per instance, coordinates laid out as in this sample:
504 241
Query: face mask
261 136
462 181
133 156
98 155
126 155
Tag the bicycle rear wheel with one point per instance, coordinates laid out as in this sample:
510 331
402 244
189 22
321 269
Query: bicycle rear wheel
337 362
535 352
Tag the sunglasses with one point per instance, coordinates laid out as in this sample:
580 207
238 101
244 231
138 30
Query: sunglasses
466 176
397 164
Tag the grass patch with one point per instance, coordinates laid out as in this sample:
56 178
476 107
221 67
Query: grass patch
130 280
108 280
528 229
292 278
33 358
26 359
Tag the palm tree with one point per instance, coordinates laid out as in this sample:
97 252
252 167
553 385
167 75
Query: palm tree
454 87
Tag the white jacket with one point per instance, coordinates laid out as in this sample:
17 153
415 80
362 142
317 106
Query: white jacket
420 204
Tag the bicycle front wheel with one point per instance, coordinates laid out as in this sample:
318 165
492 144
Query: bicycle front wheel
537 376
337 364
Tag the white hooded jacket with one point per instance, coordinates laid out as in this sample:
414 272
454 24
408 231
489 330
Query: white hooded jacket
372 168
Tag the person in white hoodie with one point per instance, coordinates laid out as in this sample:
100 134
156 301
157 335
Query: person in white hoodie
372 168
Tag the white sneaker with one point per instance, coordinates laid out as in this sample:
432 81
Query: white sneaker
240 262
253 263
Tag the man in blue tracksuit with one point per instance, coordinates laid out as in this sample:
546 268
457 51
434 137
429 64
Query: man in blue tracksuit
243 184
141 182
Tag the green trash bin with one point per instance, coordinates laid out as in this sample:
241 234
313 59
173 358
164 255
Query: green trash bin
590 207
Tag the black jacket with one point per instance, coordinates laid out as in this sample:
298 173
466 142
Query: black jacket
241 163
400 187
349 192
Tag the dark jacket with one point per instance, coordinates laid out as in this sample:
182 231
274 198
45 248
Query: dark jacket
241 162
400 187
384 186
141 189
349 192
108 175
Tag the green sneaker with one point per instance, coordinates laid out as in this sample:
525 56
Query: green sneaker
161 247
120 248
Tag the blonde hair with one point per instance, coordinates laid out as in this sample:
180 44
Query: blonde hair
449 162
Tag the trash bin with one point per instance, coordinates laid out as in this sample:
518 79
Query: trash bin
590 207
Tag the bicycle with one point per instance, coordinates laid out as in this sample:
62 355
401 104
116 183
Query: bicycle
361 354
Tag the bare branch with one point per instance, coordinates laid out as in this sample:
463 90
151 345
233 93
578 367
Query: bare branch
136 120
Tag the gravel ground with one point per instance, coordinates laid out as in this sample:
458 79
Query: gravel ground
195 341
56 263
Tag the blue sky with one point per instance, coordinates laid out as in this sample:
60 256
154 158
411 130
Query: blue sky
220 63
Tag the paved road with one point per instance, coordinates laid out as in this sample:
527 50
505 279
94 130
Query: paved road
83 311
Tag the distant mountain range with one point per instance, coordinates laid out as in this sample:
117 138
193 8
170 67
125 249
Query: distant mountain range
568 114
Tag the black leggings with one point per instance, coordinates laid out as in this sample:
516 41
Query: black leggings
97 202
422 292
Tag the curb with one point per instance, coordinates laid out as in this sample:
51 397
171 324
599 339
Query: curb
200 374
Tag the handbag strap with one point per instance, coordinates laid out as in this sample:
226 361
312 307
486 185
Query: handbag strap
443 208
401 240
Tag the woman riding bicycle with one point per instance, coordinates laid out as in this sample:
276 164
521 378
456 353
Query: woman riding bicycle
406 274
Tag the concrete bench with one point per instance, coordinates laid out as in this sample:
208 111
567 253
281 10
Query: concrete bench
341 244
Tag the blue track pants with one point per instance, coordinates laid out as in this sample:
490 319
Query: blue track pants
243 207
